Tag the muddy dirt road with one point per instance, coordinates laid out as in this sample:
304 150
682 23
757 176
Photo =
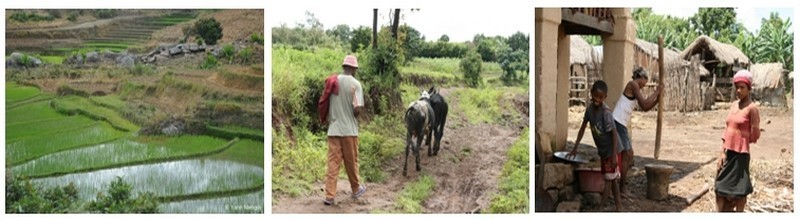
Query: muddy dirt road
465 172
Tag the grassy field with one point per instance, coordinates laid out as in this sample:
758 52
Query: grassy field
412 196
514 180
486 105
81 105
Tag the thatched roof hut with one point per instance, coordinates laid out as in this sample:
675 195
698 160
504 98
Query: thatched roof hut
710 49
768 84
581 52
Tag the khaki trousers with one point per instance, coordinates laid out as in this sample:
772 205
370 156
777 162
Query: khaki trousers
342 149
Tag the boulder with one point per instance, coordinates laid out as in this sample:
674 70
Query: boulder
194 48
593 199
553 194
557 175
92 57
127 61
175 51
566 194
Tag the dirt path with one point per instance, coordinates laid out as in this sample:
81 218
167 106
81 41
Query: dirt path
466 173
690 143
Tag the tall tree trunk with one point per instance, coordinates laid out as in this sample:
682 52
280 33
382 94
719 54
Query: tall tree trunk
395 23
374 28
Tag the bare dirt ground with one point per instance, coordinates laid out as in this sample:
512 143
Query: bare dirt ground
690 143
465 172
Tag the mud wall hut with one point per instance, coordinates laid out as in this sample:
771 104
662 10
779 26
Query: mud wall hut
768 84
720 60
684 90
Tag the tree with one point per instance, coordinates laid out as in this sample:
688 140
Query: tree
340 32
361 38
413 43
519 41
774 43
718 23
118 199
208 29
471 65
515 65
444 38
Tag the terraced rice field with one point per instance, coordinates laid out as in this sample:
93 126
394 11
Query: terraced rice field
57 141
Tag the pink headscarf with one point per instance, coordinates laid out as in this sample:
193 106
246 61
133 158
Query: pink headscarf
743 76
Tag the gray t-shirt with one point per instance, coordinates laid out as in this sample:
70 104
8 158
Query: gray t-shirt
342 120
601 122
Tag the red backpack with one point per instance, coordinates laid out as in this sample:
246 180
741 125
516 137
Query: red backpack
331 87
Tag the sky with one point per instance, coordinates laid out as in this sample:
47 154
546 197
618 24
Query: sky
750 17
459 25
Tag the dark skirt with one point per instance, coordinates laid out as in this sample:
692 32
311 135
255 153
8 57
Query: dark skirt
733 179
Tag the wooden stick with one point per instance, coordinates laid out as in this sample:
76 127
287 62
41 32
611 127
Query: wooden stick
698 194
661 75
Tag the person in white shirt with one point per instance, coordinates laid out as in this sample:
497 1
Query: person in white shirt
623 111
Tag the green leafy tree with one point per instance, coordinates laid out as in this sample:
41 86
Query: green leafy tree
444 38
774 42
471 65
413 43
519 41
341 32
718 23
362 37
208 29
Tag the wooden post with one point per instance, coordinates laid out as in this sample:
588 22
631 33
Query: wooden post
374 28
658 181
661 75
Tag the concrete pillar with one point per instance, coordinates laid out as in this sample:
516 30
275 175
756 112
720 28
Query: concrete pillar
618 54
562 90
546 45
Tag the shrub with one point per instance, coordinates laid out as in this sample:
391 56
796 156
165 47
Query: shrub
208 29
118 200
471 66
22 196
141 69
25 17
209 63
258 38
227 52
105 13
245 54
73 16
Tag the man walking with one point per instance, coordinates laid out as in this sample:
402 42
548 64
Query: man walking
345 106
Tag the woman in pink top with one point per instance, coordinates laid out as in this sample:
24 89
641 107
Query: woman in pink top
733 167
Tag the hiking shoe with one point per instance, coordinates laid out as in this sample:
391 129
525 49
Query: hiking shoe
327 201
361 190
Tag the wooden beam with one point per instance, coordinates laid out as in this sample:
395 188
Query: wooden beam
661 77
595 25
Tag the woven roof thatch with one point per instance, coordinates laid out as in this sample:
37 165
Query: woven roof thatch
767 75
725 53
652 50
581 52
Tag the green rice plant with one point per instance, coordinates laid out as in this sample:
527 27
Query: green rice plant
142 69
108 101
514 180
168 179
244 151
80 105
29 112
52 59
122 152
26 149
16 93
248 203
231 132
412 196
20 130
